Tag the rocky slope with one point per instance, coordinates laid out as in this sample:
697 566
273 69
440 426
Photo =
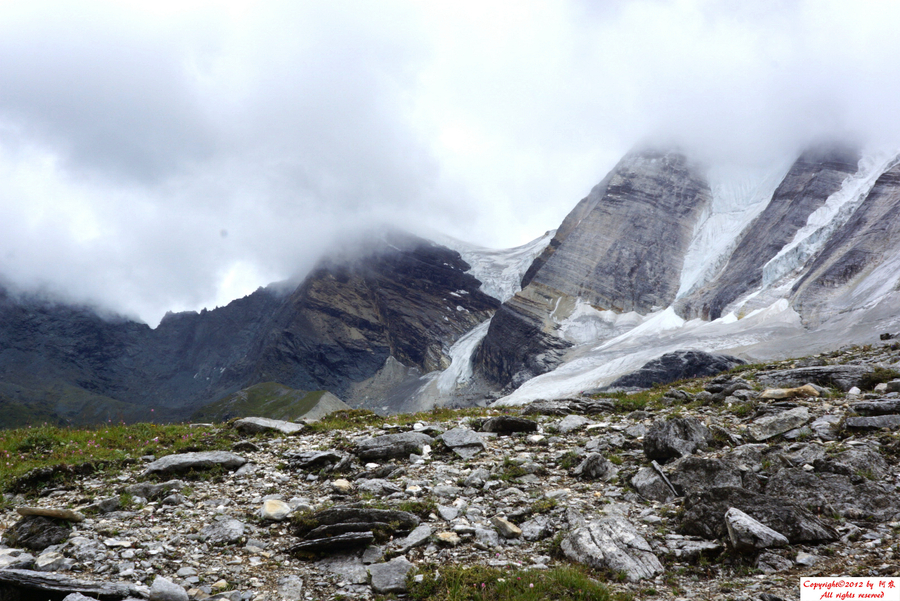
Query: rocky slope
721 488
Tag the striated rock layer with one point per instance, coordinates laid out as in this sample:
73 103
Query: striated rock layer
621 248
815 176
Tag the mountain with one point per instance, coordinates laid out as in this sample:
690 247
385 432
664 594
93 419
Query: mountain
665 254
360 323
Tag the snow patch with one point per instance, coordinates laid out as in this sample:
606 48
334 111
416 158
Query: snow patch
660 333
586 324
460 371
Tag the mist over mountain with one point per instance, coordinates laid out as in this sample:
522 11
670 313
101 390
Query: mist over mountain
650 262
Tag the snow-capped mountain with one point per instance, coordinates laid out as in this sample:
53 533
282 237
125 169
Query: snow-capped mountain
664 254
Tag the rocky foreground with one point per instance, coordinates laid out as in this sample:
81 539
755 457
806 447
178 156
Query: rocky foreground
730 487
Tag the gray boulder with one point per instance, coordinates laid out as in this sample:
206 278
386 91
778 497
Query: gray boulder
747 534
582 405
256 425
675 438
465 442
651 485
317 460
418 537
851 497
612 543
204 460
224 531
507 424
390 577
392 446
15 559
153 492
164 589
358 519
856 461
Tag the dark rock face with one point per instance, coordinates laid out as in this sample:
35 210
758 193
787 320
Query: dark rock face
705 515
621 248
37 533
857 248
811 180
679 365
400 297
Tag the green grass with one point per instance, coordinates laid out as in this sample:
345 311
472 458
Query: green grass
877 376
480 583
25 449
353 419
268 399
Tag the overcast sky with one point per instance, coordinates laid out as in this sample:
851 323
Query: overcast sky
163 156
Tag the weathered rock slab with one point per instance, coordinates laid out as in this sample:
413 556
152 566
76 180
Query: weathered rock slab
392 446
875 422
204 460
465 442
25 583
390 577
705 513
256 425
612 543
747 534
772 425
59 514
36 533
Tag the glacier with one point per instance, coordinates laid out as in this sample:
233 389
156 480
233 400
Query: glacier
499 270
825 220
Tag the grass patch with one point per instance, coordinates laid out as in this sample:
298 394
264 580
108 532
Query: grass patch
353 419
419 508
33 458
480 583
877 376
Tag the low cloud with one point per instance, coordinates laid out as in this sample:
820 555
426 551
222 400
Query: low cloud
165 157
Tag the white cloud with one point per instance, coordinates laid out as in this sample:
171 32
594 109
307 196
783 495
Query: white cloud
132 136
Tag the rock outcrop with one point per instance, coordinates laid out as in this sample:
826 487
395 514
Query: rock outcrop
615 251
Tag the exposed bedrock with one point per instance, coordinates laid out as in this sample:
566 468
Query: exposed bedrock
815 176
621 248
868 243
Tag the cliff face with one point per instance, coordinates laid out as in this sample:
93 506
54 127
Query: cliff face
403 298
620 249
860 258
815 176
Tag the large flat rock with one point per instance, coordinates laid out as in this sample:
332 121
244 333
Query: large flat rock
205 460
26 585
